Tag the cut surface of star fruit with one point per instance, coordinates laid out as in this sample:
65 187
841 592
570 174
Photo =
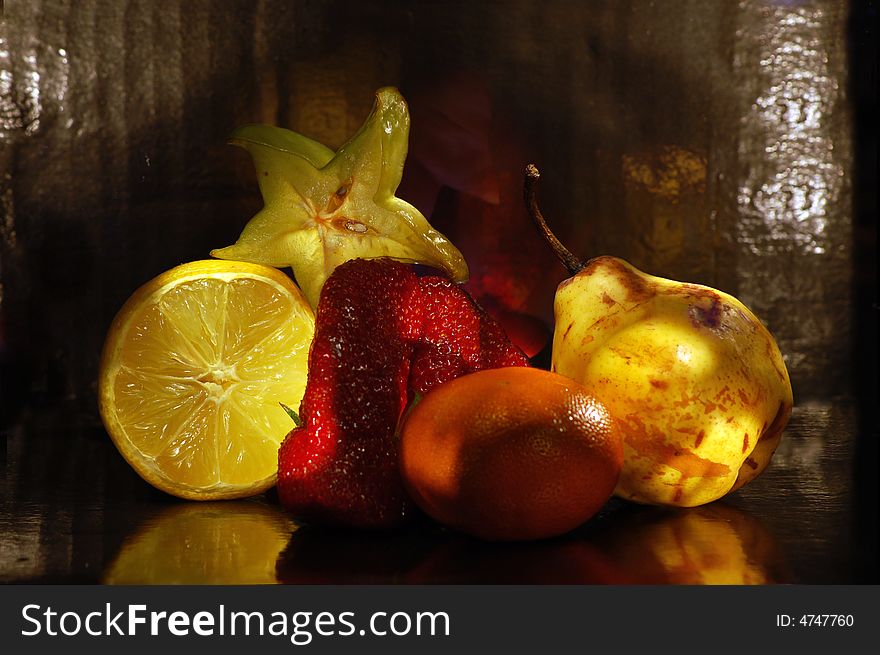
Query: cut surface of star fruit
323 208
195 369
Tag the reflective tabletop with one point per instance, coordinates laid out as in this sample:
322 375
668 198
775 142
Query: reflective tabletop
73 511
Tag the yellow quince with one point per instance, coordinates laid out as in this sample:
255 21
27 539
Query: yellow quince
695 382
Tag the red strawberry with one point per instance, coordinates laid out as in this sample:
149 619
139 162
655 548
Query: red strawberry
381 335
341 465
458 337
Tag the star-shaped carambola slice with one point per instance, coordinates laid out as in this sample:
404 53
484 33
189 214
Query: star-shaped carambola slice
323 208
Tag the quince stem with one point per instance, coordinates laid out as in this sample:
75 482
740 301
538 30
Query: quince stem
530 190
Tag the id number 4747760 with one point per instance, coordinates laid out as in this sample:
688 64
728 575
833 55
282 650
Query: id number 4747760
814 620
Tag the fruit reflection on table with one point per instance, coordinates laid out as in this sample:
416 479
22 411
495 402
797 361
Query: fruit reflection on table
255 542
714 544
252 542
232 542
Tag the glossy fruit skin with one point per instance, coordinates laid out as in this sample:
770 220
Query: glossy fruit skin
695 381
382 334
510 454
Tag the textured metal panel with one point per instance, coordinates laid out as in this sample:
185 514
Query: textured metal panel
792 173
708 142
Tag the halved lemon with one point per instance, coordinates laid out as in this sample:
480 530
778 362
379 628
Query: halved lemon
194 370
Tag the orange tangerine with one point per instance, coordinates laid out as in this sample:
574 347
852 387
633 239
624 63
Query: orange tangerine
510 454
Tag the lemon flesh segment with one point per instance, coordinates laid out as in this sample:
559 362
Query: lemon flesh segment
195 367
